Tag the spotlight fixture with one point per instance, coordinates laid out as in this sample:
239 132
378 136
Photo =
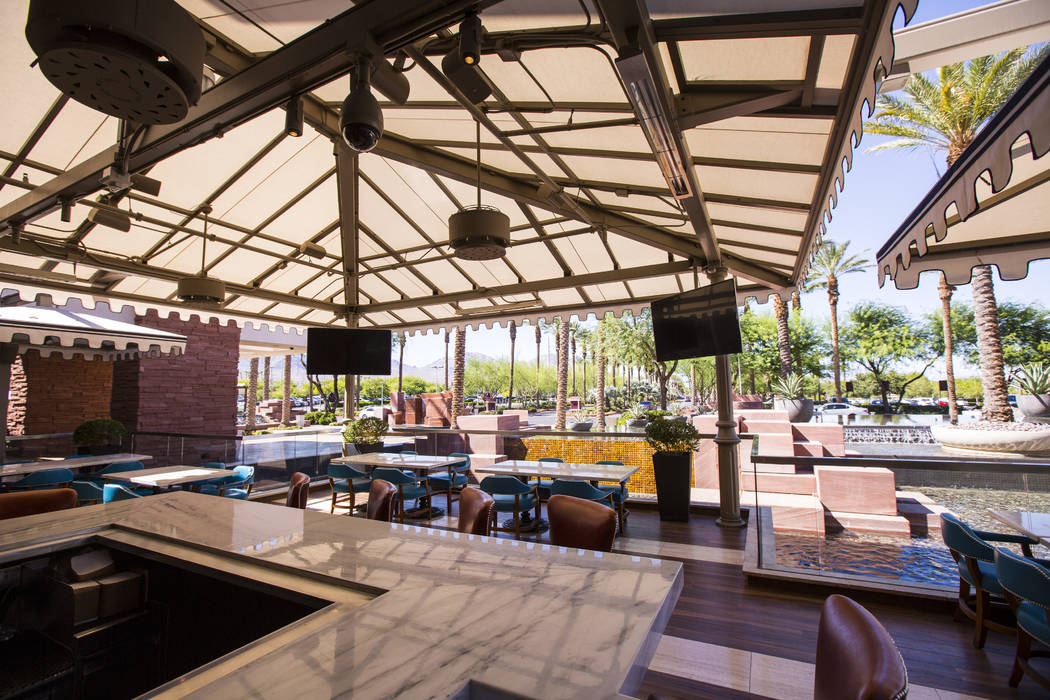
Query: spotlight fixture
293 117
201 289
312 249
111 218
479 233
470 40
361 119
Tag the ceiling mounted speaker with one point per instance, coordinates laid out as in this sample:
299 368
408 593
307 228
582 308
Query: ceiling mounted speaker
139 60
201 290
482 233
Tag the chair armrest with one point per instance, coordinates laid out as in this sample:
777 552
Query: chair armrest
1004 537
1042 562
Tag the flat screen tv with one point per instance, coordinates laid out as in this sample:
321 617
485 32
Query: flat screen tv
347 351
698 323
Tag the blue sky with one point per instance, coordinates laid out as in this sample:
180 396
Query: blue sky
880 191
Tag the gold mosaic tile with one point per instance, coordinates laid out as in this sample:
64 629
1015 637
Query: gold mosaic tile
636 453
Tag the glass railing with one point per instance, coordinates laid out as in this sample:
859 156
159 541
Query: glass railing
873 517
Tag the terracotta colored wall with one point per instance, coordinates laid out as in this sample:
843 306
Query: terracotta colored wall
55 395
193 393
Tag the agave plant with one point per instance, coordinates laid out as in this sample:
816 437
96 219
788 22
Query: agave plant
791 386
1032 378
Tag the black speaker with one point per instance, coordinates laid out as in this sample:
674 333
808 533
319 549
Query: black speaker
943 385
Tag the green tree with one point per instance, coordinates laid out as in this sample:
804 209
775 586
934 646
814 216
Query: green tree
1023 328
830 262
375 388
946 115
486 376
880 337
399 340
761 334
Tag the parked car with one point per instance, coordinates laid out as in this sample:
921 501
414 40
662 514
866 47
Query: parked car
371 412
1012 400
842 409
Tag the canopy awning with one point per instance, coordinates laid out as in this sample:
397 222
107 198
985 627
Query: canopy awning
68 333
992 207
761 104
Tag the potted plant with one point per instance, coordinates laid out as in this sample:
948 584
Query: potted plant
583 421
790 397
100 436
1033 395
674 443
365 435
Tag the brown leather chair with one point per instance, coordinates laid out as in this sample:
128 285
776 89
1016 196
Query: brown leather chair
298 491
476 509
382 495
576 522
856 657
19 503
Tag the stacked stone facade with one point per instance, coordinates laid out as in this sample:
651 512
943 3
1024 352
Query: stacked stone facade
54 394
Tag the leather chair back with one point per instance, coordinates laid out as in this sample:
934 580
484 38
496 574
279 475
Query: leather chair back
381 498
19 503
475 511
575 522
298 490
856 657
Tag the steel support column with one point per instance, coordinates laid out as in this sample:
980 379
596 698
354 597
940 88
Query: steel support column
726 439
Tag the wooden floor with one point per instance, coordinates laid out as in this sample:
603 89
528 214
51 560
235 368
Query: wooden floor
720 607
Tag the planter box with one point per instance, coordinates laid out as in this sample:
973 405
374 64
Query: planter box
1035 407
671 471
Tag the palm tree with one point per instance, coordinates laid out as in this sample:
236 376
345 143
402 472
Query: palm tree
944 292
286 392
830 262
783 339
399 341
946 115
446 359
251 396
266 378
562 337
539 340
599 383
513 330
460 361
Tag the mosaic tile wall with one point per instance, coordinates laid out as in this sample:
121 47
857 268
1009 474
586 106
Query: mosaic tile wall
632 452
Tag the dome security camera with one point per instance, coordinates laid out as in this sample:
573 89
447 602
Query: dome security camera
361 119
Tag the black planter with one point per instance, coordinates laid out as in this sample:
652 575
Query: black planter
672 472
98 449
361 448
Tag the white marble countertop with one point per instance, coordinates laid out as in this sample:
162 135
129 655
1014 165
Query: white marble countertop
398 461
540 621
71 463
162 477
569 470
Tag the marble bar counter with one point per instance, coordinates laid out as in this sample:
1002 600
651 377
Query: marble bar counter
427 613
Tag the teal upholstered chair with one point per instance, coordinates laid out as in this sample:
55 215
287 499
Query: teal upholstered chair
976 562
619 493
346 482
237 485
578 488
408 452
88 492
1026 585
511 496
128 466
454 478
117 492
409 487
58 478
543 486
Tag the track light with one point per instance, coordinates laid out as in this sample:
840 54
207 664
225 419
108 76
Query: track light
470 40
293 117
111 218
361 119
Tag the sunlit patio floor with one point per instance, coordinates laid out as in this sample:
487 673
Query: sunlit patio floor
731 638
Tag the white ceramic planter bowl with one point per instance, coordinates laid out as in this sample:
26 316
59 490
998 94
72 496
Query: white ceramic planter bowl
1022 442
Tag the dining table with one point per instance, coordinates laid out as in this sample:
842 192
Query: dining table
1031 524
161 478
418 464
73 463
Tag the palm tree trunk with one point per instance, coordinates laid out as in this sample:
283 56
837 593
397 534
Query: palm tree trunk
833 304
286 398
599 383
401 360
446 359
251 396
990 347
266 378
944 291
692 382
539 341
783 339
563 375
513 330
458 404
573 349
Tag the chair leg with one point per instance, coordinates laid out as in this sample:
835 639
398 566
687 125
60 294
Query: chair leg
333 502
353 503
401 503
980 633
517 526
964 595
1024 648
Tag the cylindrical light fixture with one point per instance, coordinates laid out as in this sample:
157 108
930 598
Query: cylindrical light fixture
470 40
293 117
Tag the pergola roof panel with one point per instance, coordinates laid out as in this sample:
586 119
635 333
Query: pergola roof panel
619 138
793 187
34 93
834 60
617 171
782 140
584 253
758 216
765 59
77 133
575 74
633 253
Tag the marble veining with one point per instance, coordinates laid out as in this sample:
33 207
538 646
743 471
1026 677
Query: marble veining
541 621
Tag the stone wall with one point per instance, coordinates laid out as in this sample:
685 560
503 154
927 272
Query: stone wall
54 394
195 392
905 434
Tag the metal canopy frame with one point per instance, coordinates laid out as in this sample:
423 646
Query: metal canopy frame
555 187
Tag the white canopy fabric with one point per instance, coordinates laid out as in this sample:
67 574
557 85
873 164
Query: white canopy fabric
992 207
768 95
58 331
